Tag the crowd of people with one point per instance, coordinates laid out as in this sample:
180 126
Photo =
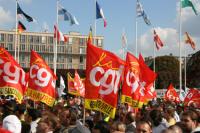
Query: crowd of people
69 116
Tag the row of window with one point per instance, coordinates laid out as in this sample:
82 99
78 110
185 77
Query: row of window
44 39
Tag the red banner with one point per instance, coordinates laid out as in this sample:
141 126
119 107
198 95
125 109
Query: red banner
192 98
171 94
41 86
12 76
103 75
75 90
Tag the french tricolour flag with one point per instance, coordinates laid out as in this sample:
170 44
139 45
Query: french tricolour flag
99 14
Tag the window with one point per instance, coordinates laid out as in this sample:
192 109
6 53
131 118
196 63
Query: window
36 39
70 40
43 39
10 46
69 66
2 37
81 66
99 42
81 59
61 59
22 47
30 39
82 50
22 38
69 49
61 49
10 38
82 41
50 40
69 59
22 58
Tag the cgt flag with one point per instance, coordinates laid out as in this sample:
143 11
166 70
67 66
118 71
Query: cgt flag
193 98
103 75
41 86
21 14
171 94
13 79
99 14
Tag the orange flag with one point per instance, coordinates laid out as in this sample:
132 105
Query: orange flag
189 40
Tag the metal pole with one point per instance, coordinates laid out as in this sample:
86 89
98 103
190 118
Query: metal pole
180 60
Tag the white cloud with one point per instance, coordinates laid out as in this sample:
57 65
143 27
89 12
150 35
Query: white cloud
5 17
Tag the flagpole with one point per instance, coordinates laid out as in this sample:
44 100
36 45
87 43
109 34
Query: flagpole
185 67
136 49
154 62
16 20
180 60
95 26
55 46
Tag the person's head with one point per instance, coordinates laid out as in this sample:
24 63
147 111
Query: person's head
9 108
118 127
130 117
64 116
144 126
156 117
189 120
12 124
47 123
175 129
32 114
101 127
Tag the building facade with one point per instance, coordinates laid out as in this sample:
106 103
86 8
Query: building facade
70 55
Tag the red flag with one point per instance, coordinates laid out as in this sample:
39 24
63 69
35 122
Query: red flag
103 75
12 76
171 94
146 74
79 85
189 40
131 80
71 86
157 41
89 41
41 86
60 36
193 98
150 92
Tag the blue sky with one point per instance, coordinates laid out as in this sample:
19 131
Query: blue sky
120 14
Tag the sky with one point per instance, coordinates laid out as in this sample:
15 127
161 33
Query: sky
120 15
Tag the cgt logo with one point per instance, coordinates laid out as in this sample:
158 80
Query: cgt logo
132 81
171 97
41 76
110 85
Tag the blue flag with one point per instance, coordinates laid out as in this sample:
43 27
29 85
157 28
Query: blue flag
21 13
64 15
141 13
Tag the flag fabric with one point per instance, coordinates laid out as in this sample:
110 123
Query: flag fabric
124 40
188 3
71 88
103 75
41 86
20 27
100 14
64 15
21 14
60 36
157 40
78 84
171 94
131 80
13 79
89 41
61 88
141 13
189 40
192 98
